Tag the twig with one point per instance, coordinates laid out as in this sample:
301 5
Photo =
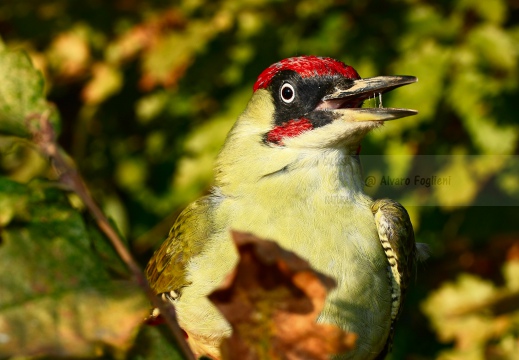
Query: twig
45 138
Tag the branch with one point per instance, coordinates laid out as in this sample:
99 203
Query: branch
45 139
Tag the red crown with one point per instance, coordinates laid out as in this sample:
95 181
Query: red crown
306 66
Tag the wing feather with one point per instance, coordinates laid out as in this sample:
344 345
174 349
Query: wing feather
397 238
166 270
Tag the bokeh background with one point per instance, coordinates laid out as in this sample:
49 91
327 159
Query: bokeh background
147 91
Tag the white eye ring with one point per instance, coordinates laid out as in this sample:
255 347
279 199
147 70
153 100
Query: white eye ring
287 93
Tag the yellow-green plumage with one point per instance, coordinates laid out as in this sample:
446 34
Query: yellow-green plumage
308 196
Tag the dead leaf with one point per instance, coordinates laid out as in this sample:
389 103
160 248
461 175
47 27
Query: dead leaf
272 300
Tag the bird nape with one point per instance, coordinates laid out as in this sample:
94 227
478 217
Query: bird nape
289 171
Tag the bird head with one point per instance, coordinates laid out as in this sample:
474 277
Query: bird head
305 107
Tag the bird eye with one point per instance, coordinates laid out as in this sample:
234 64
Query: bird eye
288 93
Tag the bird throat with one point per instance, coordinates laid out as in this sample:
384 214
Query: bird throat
292 128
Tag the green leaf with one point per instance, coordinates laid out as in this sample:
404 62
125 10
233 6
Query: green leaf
56 296
22 97
490 10
14 205
444 304
493 46
155 343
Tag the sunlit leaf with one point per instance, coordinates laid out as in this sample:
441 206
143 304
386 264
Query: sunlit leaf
491 10
171 54
443 304
494 46
511 274
479 317
463 189
22 96
131 173
106 81
69 54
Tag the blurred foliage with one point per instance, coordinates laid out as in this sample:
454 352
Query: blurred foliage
147 91
481 318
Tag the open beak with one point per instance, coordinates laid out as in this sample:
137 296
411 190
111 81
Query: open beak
350 99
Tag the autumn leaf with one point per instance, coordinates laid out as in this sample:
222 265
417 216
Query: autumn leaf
272 300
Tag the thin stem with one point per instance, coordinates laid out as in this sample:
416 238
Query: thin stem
70 177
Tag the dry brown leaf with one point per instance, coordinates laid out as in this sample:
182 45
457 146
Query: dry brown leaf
272 300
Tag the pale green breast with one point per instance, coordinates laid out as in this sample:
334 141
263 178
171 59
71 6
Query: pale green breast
338 236
317 210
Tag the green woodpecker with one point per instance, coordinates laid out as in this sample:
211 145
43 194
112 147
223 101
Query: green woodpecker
289 171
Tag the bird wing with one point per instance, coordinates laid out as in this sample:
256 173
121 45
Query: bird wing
166 270
396 235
